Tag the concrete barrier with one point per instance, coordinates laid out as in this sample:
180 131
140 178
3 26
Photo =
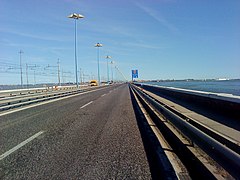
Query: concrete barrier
221 103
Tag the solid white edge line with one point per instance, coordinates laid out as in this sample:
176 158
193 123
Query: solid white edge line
20 145
86 104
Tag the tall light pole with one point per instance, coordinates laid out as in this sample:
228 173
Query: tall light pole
20 52
76 17
108 57
98 45
112 69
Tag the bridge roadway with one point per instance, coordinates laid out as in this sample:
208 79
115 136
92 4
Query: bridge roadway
87 136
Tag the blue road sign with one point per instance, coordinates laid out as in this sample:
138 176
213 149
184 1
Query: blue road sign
134 73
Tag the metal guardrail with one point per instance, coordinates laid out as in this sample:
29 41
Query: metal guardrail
19 92
22 100
37 99
207 143
30 96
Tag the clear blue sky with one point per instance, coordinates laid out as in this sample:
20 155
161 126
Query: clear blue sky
163 39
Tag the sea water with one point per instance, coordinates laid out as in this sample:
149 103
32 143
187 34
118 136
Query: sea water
216 86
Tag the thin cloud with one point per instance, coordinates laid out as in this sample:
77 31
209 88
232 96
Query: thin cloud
142 45
40 37
158 17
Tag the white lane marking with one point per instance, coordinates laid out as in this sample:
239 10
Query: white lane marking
103 95
20 145
86 104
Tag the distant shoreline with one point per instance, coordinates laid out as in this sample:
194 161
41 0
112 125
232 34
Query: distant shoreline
189 80
231 86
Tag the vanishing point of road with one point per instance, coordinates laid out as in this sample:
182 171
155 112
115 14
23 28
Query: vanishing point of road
93 135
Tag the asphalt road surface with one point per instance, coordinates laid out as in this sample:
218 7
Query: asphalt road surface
88 136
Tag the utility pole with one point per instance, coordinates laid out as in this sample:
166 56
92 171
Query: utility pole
81 78
27 73
58 70
34 76
20 53
59 81
32 67
62 77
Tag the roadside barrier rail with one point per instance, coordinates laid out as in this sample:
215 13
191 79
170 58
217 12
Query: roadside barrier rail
34 96
19 92
224 155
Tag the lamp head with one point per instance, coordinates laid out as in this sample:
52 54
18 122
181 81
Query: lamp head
98 45
75 16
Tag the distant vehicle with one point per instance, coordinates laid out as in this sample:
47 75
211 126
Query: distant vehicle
93 83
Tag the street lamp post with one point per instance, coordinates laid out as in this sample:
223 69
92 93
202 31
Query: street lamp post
108 57
98 45
112 69
76 17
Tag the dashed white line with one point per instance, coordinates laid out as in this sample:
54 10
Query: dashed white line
103 95
20 145
86 104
